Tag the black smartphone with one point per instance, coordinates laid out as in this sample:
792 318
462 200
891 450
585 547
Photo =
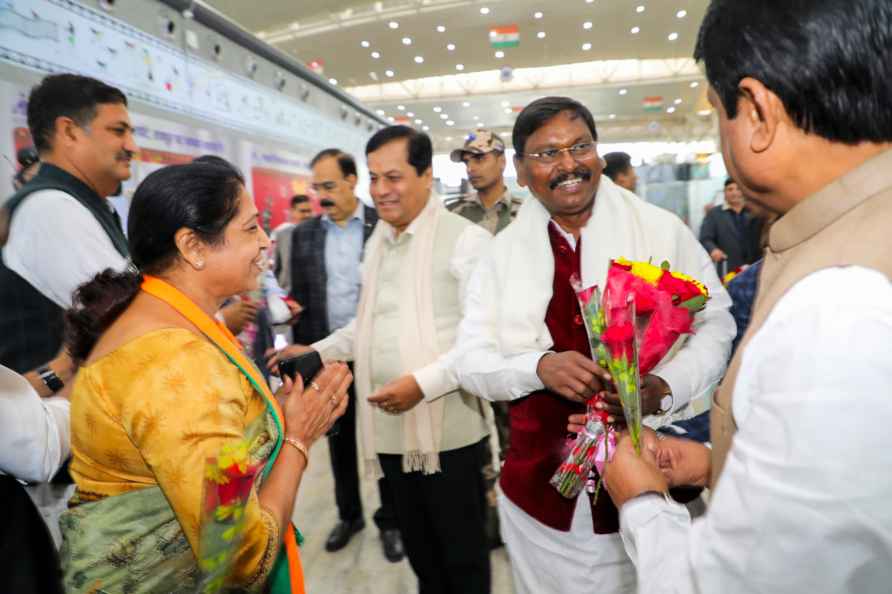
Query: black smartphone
307 366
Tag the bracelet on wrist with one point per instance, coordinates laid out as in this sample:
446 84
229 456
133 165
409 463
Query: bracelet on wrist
300 447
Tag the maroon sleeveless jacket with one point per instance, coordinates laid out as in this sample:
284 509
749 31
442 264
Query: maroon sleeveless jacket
539 421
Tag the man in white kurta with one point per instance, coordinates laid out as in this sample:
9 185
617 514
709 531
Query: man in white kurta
520 342
799 465
416 426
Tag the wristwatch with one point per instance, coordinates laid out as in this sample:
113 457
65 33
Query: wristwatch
50 379
666 404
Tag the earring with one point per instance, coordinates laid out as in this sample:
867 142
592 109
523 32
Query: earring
199 265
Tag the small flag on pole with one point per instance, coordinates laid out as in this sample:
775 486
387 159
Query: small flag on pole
504 36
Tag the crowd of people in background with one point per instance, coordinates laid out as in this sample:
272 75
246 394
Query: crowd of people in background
141 399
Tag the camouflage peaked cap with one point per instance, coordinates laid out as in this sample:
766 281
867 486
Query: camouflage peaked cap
479 142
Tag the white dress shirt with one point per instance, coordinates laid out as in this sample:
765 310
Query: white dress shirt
805 500
35 438
56 244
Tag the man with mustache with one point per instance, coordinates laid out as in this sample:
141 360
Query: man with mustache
62 229
325 280
523 340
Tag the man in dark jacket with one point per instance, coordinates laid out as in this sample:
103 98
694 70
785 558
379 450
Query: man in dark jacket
730 233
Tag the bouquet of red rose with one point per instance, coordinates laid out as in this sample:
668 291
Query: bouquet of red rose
643 312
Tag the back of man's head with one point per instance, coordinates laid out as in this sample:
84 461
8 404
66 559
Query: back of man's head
828 61
66 95
617 163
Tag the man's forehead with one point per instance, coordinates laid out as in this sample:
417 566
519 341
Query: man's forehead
113 111
561 127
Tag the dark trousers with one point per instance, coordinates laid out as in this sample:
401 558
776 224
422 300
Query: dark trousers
441 517
345 468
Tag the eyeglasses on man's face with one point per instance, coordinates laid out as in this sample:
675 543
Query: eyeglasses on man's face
577 151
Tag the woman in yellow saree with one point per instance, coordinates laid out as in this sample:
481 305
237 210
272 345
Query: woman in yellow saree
186 465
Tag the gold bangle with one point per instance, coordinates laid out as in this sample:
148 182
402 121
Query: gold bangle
300 447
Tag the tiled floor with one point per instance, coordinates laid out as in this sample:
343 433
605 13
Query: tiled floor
360 568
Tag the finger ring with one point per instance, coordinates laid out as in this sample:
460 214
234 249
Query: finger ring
316 386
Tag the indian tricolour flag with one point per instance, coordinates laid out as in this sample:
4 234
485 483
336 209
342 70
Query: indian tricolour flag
505 36
652 103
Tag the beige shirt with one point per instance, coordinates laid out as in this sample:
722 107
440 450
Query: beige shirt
456 250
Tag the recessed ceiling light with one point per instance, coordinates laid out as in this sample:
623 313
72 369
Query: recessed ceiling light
443 116
393 25
681 14
586 46
587 25
695 84
541 34
333 81
506 103
390 119
376 55
450 123
419 60
401 107
704 112
425 128
677 101
417 121
623 91
364 43
507 110
410 114
450 46
635 30
537 15
407 41
441 29
500 54
589 1
380 112
448 138
673 36
484 10
388 73
437 109
459 67
481 124
476 117
640 9
466 104
613 116
670 110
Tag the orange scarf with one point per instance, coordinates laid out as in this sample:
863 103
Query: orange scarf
220 335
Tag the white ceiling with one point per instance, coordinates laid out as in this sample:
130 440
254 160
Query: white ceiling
334 31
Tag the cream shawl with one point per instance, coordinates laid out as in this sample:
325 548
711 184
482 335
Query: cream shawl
423 424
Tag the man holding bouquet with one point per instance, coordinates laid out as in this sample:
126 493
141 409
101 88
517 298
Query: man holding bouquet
523 340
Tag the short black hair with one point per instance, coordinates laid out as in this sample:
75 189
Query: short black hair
420 149
617 163
829 61
540 111
299 199
729 181
69 95
346 162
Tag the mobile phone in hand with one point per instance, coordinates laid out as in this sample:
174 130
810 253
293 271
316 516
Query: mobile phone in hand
307 366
